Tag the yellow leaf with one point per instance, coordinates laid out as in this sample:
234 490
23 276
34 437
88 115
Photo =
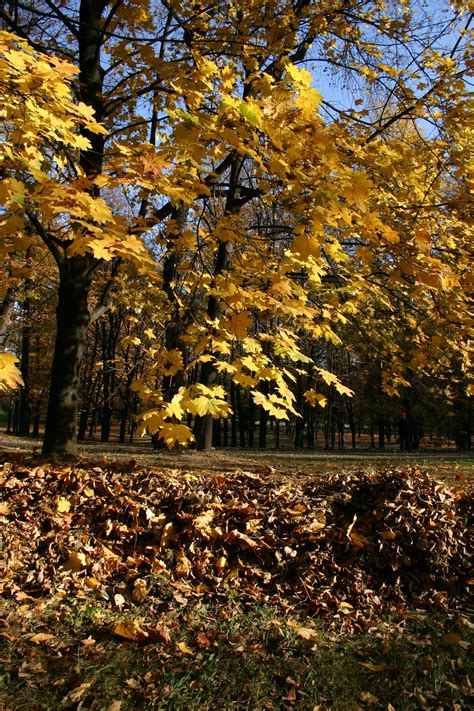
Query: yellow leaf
76 561
63 505
183 647
315 398
129 629
172 433
10 377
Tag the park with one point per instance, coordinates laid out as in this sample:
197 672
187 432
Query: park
235 355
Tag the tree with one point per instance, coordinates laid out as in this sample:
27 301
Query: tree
208 116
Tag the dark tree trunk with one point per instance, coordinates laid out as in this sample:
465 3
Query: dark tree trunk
36 426
216 433
381 433
123 424
352 425
83 417
10 416
233 421
242 422
16 417
262 432
251 422
72 320
25 408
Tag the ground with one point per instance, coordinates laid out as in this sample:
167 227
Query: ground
235 580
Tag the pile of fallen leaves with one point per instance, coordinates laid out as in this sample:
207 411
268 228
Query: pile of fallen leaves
348 549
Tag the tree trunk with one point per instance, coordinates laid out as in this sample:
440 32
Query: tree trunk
381 433
25 409
72 320
225 251
233 421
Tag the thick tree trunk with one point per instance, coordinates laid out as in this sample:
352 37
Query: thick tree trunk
72 320
25 408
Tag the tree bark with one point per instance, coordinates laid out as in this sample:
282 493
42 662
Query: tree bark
72 320
25 409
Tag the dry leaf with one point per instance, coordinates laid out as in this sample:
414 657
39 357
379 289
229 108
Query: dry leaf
115 706
373 667
129 629
308 634
42 637
79 691
76 561
140 590
368 698
183 647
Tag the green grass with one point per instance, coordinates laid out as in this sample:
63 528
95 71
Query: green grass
252 658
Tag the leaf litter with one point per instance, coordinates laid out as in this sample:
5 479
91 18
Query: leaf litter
348 549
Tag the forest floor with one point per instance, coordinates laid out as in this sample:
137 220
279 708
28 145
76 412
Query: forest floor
138 580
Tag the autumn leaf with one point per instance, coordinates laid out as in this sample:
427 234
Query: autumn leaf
63 505
372 667
184 648
76 561
129 629
10 376
42 637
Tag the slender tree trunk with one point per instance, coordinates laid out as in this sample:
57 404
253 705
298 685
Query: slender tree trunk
381 432
233 421
83 417
251 422
72 320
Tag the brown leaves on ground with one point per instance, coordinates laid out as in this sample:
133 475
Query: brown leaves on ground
347 549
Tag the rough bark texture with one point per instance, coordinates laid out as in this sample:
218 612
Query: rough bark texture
72 320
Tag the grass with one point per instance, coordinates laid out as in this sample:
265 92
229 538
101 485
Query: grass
225 656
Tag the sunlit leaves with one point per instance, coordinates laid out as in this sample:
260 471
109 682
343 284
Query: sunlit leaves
10 377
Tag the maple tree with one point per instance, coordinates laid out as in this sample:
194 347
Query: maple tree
203 168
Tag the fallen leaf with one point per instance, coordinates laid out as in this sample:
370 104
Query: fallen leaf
183 647
308 634
129 629
42 637
76 561
88 642
373 667
63 505
79 691
140 590
203 639
368 698
115 706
